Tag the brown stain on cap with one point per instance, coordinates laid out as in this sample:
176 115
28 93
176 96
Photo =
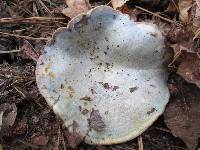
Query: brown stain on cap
70 91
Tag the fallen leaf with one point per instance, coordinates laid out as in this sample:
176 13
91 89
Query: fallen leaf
180 38
8 113
196 17
190 13
4 10
150 3
186 53
1 147
198 3
40 140
73 139
172 7
118 3
76 7
182 114
101 147
20 127
184 6
28 52
189 68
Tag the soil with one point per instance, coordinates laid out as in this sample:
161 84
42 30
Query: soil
35 125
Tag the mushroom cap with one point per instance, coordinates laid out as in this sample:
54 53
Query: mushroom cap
104 76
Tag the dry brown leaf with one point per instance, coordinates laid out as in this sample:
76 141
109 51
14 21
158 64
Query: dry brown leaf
196 20
180 38
184 6
74 138
187 59
76 7
189 68
172 8
185 53
8 113
28 52
190 16
182 115
198 11
4 10
118 3
198 3
40 140
1 147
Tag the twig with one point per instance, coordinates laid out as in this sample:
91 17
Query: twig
140 143
161 17
175 5
30 20
24 37
27 144
44 6
109 3
20 92
17 77
197 33
176 56
12 51
162 129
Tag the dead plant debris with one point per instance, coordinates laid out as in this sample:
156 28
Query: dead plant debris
189 68
8 113
76 7
182 115
26 120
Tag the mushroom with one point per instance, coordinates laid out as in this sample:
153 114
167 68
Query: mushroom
105 76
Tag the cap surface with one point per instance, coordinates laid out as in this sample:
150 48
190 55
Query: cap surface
104 76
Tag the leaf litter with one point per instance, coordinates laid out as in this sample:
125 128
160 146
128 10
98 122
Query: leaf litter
76 7
182 114
8 113
189 68
17 72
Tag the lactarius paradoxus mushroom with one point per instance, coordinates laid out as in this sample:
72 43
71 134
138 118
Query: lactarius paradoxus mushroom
104 76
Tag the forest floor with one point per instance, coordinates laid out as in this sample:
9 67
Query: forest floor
29 123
